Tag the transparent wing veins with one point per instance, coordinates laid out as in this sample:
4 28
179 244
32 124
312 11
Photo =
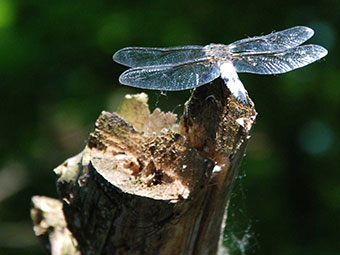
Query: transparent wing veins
186 67
279 62
274 42
171 77
146 56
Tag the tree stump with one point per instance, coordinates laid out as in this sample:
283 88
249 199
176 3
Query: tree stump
145 184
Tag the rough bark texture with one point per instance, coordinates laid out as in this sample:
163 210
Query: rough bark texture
146 185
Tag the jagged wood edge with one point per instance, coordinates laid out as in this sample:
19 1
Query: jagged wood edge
228 149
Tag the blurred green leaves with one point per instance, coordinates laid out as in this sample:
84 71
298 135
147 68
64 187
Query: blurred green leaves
7 13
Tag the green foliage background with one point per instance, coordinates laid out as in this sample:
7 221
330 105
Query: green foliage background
56 76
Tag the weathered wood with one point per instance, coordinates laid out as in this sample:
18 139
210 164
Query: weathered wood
219 127
146 185
51 228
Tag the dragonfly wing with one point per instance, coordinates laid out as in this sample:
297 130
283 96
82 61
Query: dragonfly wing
174 77
144 56
280 62
274 42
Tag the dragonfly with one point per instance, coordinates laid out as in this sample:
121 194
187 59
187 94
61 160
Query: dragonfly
188 67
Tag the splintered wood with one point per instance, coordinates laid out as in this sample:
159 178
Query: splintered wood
148 184
156 165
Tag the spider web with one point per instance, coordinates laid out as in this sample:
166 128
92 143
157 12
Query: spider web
239 238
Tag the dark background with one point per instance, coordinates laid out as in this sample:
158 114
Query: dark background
57 75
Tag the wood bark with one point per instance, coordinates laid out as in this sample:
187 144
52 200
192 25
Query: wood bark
145 184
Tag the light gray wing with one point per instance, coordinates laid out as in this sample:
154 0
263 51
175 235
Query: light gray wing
174 77
274 42
280 62
144 56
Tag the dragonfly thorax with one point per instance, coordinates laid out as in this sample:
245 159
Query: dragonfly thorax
218 52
